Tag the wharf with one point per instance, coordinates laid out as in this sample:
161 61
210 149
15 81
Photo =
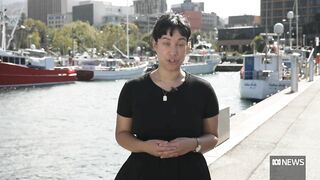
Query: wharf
225 67
285 124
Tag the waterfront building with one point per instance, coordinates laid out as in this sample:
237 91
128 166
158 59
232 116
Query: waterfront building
146 13
98 13
187 5
58 20
275 11
244 20
40 9
238 38
199 20
149 6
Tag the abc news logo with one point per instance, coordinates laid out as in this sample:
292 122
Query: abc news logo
288 167
288 162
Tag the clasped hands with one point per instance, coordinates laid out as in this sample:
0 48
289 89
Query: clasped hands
170 149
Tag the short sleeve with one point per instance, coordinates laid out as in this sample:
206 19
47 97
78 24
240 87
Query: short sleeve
125 101
211 105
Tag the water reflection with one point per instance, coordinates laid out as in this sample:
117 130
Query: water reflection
67 131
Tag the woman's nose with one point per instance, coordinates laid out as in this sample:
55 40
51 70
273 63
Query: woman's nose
173 50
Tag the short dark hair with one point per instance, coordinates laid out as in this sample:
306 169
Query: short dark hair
171 22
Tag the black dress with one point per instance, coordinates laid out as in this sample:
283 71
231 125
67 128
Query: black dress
180 116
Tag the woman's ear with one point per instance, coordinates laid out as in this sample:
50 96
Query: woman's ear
154 44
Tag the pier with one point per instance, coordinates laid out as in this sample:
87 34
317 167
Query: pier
285 124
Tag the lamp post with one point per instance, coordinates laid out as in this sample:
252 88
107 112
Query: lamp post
278 29
290 17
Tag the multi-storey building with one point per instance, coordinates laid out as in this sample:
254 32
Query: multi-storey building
275 11
149 6
98 13
199 20
58 20
147 12
40 9
245 20
187 5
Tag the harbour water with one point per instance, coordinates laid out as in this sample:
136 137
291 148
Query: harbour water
67 131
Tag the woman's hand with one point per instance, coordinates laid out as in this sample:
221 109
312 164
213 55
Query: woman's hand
178 147
158 147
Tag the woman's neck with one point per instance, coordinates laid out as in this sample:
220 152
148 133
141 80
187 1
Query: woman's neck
168 80
169 76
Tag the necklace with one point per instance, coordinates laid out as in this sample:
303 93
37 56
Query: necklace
164 92
164 97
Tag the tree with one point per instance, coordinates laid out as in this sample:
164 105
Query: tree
258 43
79 36
36 32
116 35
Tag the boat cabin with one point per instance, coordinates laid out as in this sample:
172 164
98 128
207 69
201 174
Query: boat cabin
8 58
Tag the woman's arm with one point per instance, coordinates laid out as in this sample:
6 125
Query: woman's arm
124 136
210 138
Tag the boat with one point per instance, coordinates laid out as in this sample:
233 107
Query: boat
202 59
110 69
262 76
19 69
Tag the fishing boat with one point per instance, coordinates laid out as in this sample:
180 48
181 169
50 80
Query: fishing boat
263 75
19 69
202 59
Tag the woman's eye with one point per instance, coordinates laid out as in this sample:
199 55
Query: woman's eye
166 43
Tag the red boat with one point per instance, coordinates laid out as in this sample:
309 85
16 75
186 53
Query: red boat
13 75
25 69
15 71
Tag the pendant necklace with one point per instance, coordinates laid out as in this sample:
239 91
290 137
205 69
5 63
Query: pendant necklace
164 97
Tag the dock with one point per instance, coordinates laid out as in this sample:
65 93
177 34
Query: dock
228 67
285 124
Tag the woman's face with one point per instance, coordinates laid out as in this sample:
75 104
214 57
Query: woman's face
171 50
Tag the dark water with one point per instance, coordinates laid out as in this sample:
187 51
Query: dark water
67 131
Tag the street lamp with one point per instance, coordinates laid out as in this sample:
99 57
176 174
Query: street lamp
290 16
278 29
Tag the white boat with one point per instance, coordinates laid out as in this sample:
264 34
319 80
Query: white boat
202 59
113 68
263 75
201 63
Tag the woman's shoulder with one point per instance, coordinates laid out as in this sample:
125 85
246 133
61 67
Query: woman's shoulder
197 81
138 81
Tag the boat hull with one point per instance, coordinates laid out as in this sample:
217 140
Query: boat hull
84 75
101 73
200 68
261 89
13 75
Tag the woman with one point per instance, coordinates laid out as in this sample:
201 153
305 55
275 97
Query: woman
167 118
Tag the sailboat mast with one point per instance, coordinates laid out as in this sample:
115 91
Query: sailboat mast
297 20
127 30
2 18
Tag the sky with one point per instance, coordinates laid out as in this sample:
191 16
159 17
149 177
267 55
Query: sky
223 8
